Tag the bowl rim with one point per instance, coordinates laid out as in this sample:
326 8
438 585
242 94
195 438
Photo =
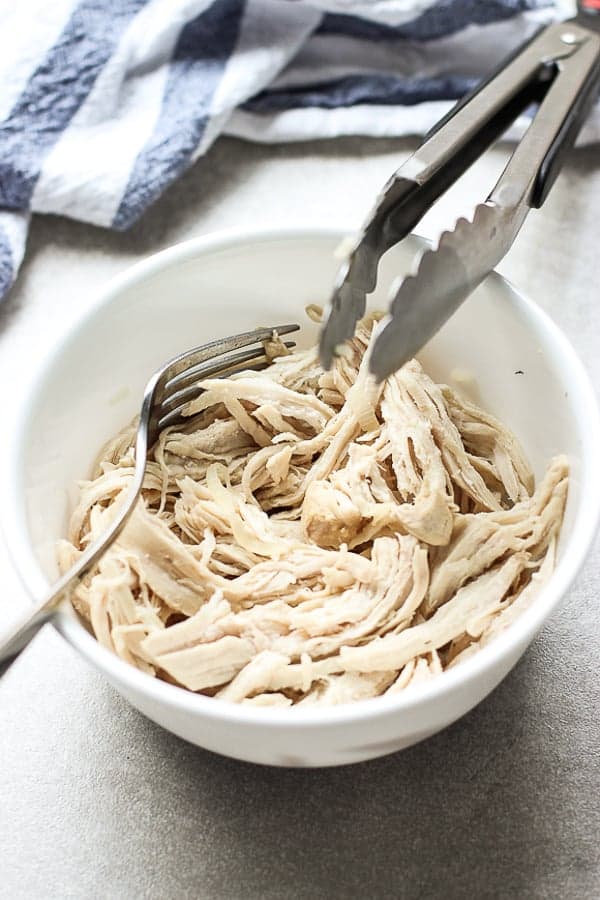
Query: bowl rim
13 520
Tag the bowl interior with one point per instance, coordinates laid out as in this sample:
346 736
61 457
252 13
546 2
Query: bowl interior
92 385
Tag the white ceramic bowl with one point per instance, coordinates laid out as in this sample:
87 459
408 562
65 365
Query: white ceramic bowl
91 385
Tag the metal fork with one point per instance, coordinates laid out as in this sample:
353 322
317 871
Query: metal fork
165 396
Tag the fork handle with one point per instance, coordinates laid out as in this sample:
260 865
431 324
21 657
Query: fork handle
21 633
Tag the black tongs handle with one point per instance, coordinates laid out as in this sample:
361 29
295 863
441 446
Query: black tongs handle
571 55
559 69
566 136
589 87
561 64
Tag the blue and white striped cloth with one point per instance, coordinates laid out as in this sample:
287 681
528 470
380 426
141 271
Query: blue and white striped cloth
103 103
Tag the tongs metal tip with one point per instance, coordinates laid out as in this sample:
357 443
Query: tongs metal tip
424 300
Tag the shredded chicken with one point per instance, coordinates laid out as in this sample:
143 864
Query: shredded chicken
312 537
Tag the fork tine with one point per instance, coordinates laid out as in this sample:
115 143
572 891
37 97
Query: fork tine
216 348
214 364
187 382
170 416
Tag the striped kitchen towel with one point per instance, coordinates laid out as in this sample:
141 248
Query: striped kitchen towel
103 103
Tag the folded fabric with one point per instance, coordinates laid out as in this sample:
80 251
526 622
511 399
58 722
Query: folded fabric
103 104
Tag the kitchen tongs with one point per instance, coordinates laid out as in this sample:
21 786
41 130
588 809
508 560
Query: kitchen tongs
559 71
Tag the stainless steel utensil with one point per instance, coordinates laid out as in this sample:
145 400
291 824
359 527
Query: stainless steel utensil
559 71
165 395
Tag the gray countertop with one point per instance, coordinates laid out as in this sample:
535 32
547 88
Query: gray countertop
97 802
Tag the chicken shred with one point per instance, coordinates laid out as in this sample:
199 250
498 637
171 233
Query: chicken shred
312 537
